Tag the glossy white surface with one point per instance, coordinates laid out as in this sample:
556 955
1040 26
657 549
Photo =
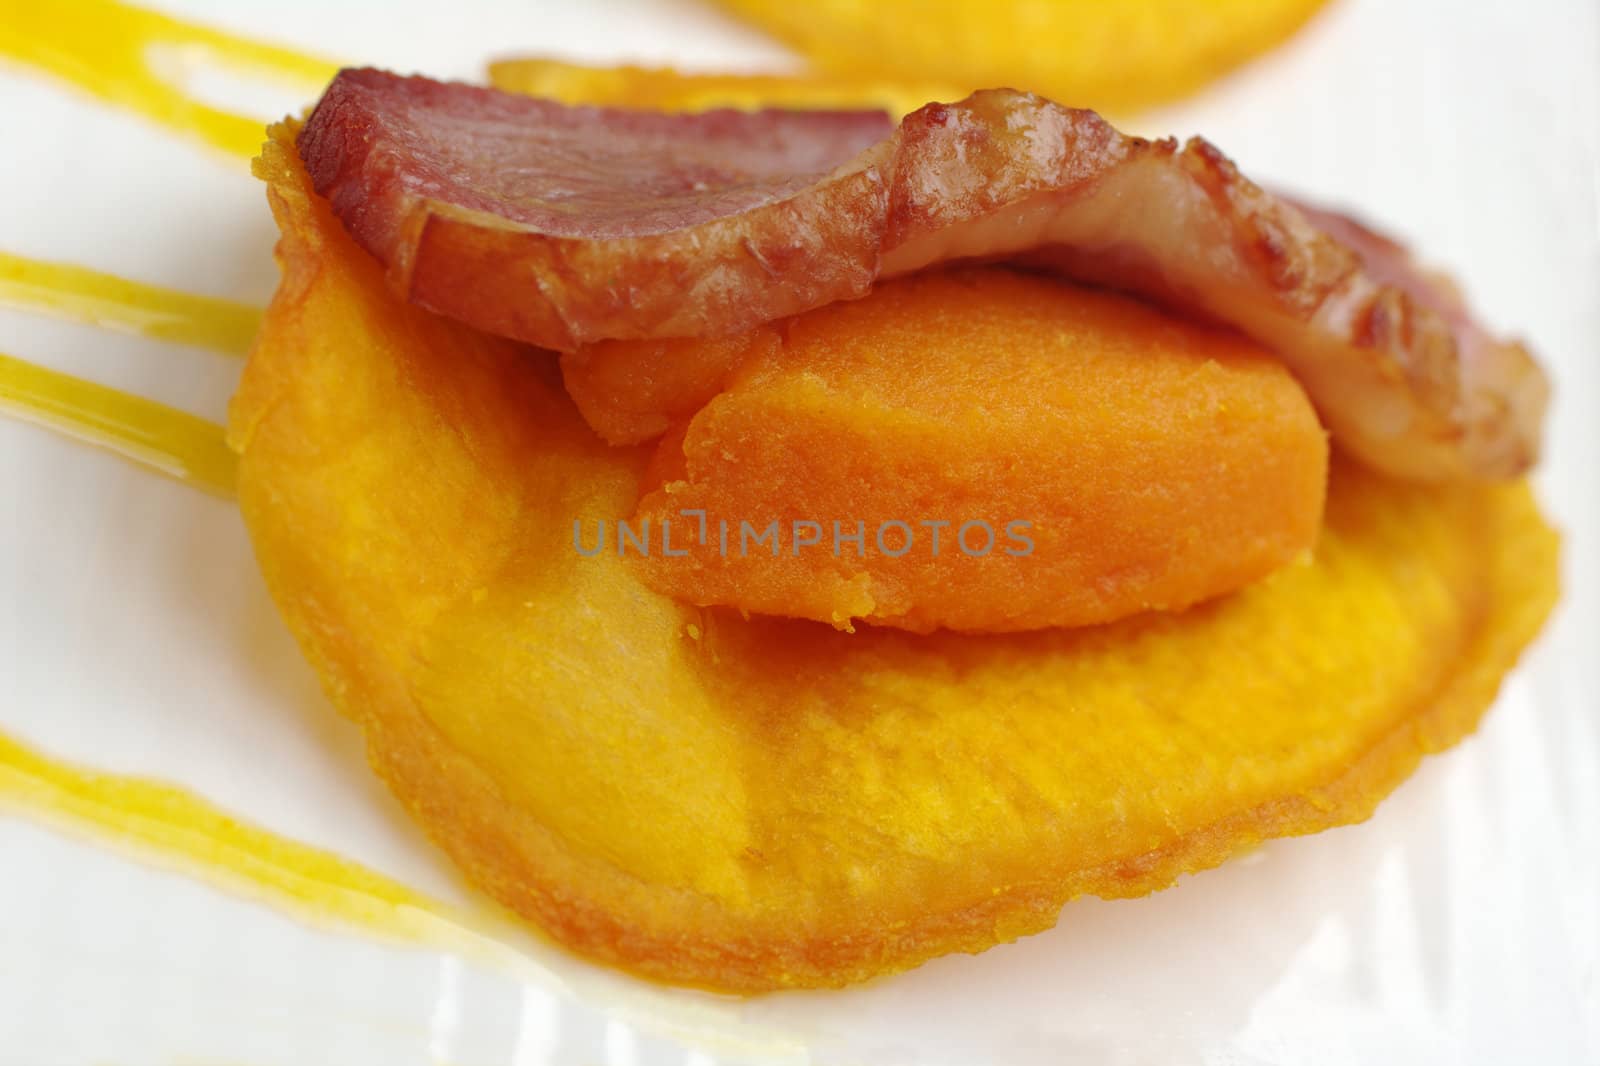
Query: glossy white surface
1460 924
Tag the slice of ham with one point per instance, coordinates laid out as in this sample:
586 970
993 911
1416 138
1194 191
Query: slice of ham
560 225
563 226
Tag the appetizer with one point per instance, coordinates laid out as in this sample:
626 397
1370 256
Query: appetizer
599 460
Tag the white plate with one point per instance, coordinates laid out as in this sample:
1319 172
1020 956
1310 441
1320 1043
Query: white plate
1459 925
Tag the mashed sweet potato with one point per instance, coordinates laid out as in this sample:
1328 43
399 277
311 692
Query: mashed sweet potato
760 804
975 449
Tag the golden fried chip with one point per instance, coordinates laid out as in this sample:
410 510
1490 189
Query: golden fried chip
765 803
1084 53
664 89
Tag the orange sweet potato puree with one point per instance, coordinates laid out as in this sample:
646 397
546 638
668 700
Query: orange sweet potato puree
979 449
634 391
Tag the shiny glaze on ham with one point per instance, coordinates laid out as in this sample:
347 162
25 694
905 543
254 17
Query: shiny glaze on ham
563 226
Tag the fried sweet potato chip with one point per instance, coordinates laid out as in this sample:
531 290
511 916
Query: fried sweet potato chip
666 89
1086 53
760 804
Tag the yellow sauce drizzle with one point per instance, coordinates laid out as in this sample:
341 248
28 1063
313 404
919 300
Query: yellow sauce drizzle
124 56
174 829
182 830
174 442
117 303
117 53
